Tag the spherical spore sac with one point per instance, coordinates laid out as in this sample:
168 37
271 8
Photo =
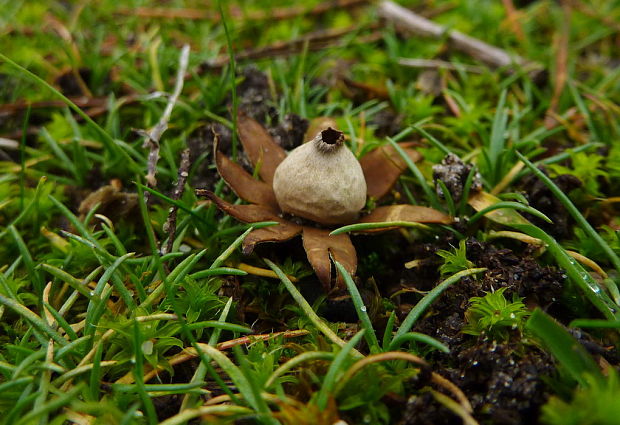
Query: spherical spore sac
321 180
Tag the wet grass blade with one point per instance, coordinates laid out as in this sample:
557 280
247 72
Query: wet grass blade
575 272
574 212
138 371
361 310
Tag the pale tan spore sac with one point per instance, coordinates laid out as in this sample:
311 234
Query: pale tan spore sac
322 181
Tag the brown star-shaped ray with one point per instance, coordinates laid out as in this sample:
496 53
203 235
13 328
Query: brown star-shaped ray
381 168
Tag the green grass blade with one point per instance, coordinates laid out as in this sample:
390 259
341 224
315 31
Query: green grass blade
585 112
24 212
63 276
360 308
28 261
378 225
228 251
418 337
296 361
432 139
430 193
595 324
22 159
61 321
34 319
575 272
306 307
448 197
50 406
508 205
235 374
389 328
497 142
218 271
335 369
574 212
138 371
566 349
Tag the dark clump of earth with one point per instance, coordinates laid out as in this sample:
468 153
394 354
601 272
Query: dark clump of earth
386 122
256 101
200 143
453 172
290 131
255 96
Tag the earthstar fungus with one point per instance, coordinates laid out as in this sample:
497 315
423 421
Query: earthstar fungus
293 189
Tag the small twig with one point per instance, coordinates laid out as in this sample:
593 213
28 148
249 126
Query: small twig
484 52
170 226
152 137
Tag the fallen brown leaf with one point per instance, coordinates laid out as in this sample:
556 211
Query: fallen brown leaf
319 245
243 184
280 233
411 213
260 147
383 166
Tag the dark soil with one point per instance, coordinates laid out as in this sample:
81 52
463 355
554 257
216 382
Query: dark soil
503 381
540 197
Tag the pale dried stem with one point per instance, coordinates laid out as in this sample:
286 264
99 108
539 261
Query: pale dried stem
490 55
171 222
152 137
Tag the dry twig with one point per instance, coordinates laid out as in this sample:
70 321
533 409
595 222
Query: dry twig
152 137
439 64
478 49
171 222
